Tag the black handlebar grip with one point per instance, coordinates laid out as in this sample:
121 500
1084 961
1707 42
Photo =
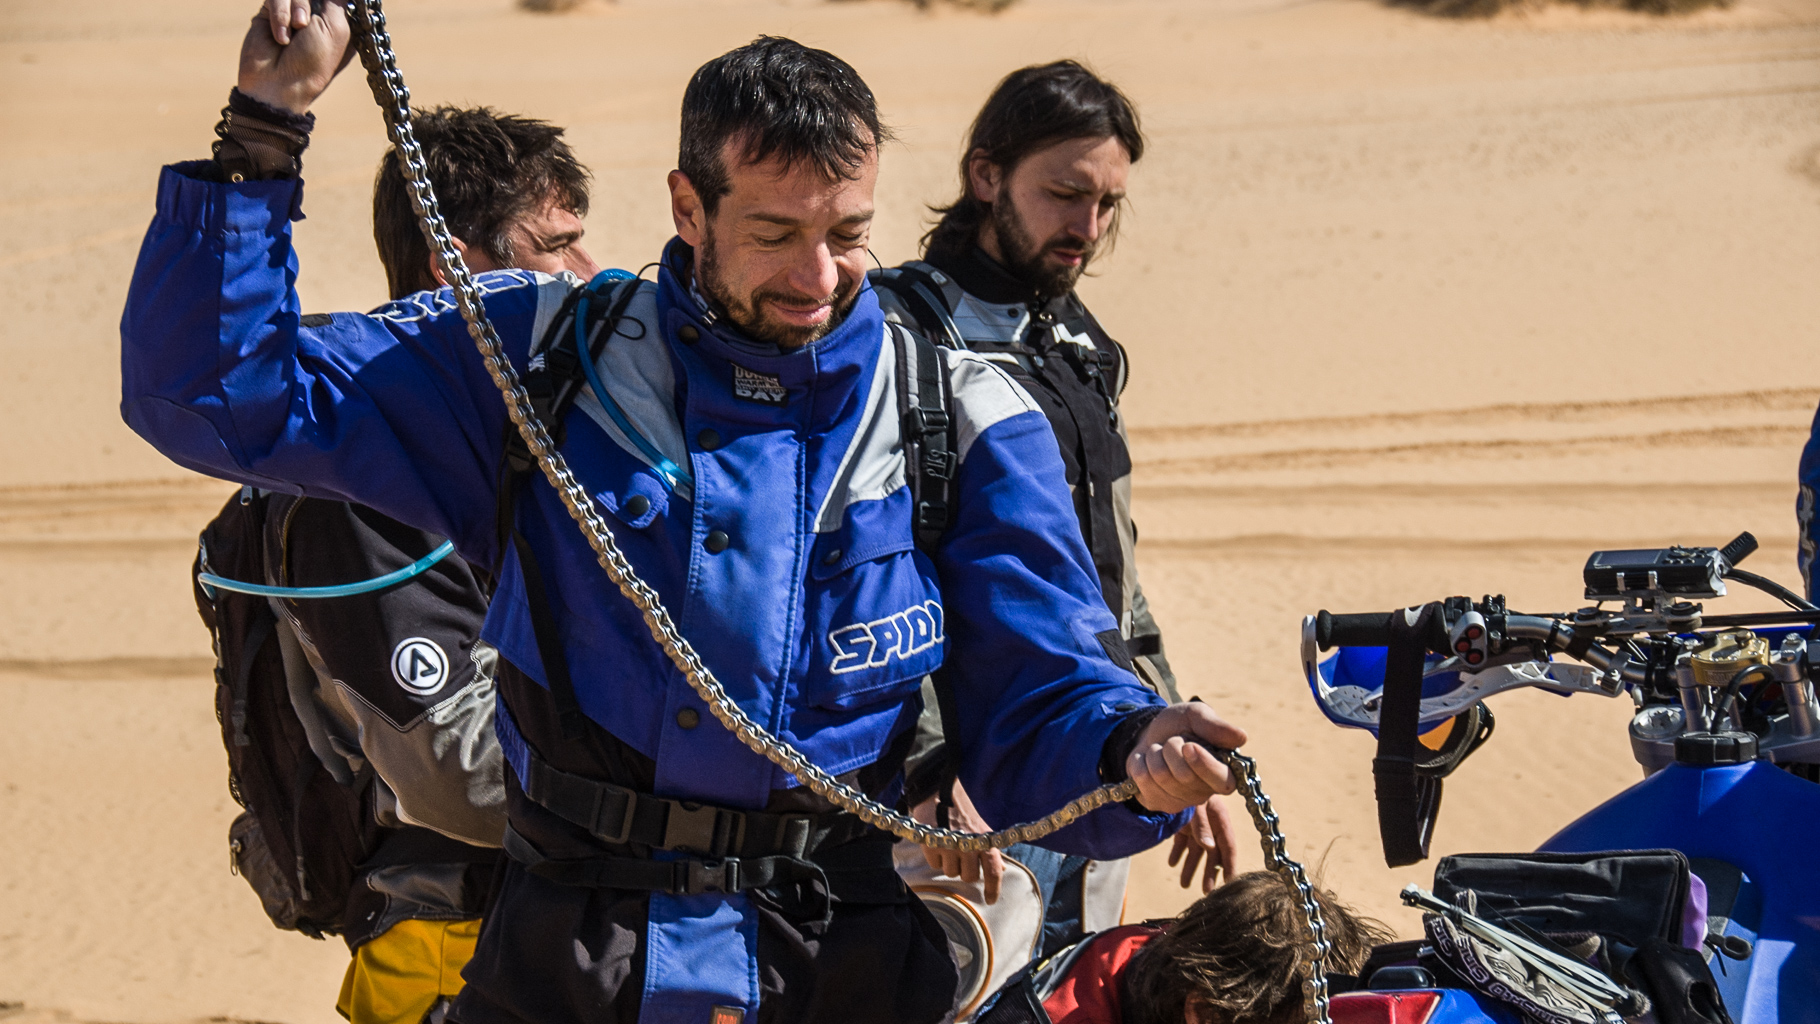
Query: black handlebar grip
1739 549
1366 629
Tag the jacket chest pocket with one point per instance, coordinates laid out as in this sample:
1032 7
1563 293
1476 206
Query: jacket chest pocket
878 621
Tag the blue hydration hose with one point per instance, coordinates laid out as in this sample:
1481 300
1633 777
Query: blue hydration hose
670 471
210 581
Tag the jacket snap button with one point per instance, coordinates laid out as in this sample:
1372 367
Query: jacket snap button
688 718
1125 707
709 439
716 541
635 506
832 556
688 334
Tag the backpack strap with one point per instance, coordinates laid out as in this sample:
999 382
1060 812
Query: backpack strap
931 461
554 378
930 452
918 286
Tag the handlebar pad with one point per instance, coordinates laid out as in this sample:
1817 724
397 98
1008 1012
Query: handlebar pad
1739 549
1367 629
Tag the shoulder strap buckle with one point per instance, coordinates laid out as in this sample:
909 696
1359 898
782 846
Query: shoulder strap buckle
924 420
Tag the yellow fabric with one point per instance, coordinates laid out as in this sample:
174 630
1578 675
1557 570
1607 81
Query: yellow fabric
397 977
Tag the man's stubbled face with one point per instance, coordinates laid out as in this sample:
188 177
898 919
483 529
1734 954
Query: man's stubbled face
772 314
785 252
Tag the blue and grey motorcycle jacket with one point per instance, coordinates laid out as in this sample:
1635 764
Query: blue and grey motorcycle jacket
760 492
764 501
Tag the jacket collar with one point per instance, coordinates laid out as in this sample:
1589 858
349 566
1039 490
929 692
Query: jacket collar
986 279
821 379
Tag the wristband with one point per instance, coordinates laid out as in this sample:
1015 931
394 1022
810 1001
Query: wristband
259 142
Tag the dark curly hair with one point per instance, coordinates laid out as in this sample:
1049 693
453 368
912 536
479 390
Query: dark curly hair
488 170
1241 953
782 99
1032 109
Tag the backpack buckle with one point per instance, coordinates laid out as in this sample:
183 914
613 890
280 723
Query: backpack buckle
925 421
694 877
562 361
932 514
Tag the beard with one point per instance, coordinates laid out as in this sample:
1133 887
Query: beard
1028 260
748 314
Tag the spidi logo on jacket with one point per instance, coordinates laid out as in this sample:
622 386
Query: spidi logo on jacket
872 644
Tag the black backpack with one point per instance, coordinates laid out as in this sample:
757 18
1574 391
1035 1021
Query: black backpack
301 835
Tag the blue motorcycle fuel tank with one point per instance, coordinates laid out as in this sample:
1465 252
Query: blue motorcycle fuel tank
1762 823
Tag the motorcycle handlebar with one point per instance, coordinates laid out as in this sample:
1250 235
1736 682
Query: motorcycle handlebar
1372 629
1367 629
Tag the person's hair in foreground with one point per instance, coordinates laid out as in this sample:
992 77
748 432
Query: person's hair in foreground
1239 954
780 99
489 169
1033 108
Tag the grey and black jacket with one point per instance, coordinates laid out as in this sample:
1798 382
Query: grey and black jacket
1075 371
394 686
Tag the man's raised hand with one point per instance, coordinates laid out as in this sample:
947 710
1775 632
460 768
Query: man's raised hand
293 50
1173 774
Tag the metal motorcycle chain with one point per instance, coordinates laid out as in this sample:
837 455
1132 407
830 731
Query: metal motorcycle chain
367 18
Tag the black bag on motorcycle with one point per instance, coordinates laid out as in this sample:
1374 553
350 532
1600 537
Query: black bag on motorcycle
1636 902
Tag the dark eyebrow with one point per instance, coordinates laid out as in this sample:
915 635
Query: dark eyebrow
791 222
1075 186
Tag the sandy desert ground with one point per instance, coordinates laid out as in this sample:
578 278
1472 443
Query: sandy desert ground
1417 308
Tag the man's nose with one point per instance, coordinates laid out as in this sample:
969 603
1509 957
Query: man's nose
815 274
1085 223
581 263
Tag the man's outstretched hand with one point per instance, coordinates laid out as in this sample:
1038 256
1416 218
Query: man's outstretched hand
293 50
1210 835
986 867
1173 774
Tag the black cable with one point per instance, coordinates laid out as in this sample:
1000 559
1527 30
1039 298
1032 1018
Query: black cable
1724 708
1772 588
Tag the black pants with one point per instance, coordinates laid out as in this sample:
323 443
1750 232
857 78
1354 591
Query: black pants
552 954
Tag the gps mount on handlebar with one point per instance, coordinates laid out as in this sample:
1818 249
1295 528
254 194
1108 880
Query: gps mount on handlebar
1707 692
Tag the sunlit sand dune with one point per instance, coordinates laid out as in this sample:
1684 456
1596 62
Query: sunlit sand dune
1416 308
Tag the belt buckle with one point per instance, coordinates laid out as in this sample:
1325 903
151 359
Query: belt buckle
701 876
625 819
690 827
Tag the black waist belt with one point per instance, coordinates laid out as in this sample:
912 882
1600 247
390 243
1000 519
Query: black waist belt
621 816
801 889
687 877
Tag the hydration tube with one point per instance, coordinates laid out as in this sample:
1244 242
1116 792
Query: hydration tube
670 471
211 582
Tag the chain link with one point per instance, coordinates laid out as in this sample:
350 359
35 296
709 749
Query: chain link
369 24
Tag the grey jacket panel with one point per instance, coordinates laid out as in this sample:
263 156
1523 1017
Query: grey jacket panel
442 770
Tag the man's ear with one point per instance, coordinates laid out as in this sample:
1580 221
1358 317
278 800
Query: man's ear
460 247
984 178
686 210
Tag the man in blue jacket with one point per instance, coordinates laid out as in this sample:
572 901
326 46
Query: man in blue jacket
745 443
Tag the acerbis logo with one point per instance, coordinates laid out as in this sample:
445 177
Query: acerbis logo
871 644
419 665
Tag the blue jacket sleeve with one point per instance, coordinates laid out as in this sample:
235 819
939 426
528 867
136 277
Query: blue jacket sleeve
1036 691
221 373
